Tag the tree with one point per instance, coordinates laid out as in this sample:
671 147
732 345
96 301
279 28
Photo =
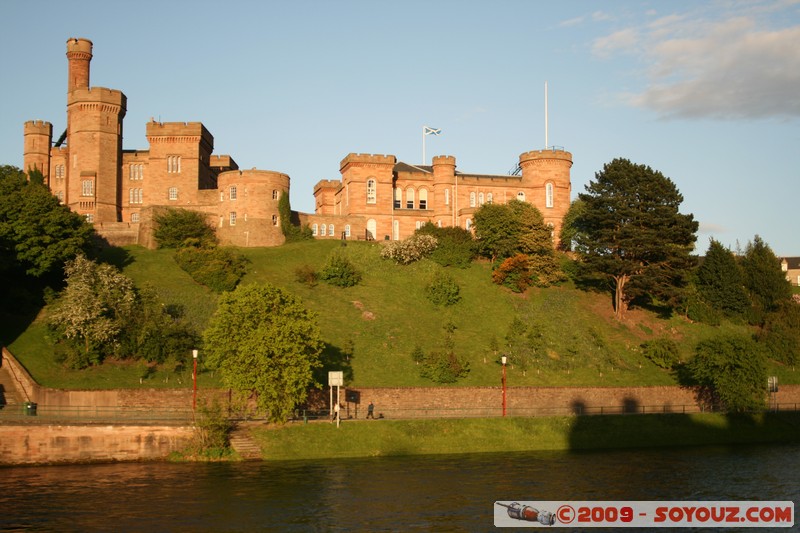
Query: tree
497 230
719 281
174 227
763 277
37 233
94 307
731 373
568 226
780 333
264 341
291 231
631 232
455 245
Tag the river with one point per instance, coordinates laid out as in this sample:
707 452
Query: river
428 493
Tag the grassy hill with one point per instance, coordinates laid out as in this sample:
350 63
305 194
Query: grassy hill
388 315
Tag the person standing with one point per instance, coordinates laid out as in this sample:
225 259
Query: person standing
371 410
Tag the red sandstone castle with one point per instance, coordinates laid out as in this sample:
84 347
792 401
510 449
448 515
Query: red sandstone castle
377 196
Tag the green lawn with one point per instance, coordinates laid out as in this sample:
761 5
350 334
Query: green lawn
388 315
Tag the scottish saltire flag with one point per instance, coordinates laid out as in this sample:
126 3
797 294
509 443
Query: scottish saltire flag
432 131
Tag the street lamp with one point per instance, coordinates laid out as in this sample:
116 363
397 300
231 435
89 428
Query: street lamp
194 380
503 360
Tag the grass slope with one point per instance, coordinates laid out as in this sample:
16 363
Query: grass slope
387 316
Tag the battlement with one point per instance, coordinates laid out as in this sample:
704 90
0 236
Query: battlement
327 184
97 95
370 159
40 127
551 153
79 45
444 160
177 131
223 161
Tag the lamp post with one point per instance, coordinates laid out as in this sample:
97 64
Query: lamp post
194 380
503 360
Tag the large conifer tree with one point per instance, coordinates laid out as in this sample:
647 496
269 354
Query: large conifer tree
720 283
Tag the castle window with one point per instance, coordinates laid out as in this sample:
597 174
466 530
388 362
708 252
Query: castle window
274 194
173 164
439 224
409 198
134 196
469 224
59 172
89 217
480 198
314 230
136 171
396 230
134 217
274 220
472 199
87 188
347 231
423 198
489 198
232 192
418 224
173 193
330 230
548 195
521 196
372 193
447 197
60 196
398 198
232 218
323 230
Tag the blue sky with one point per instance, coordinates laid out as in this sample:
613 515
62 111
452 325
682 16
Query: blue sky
708 93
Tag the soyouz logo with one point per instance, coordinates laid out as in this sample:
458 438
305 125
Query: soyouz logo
644 514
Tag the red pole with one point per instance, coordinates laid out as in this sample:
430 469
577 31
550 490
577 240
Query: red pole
504 390
194 380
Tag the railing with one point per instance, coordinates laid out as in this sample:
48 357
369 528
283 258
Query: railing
34 413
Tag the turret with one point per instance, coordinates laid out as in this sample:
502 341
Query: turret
36 154
444 175
546 173
79 55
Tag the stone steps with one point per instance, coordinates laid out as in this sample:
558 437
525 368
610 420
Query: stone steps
243 443
9 397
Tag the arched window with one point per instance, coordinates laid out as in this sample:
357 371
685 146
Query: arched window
521 196
347 231
330 230
398 198
469 224
423 198
489 198
480 198
372 229
323 229
472 199
372 193
314 229
548 195
409 198
447 197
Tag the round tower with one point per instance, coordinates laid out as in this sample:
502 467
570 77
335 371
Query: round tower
546 175
79 55
444 175
36 151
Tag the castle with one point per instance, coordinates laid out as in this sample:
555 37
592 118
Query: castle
377 197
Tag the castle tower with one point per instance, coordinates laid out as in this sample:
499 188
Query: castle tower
546 174
36 154
368 190
94 140
444 176
79 54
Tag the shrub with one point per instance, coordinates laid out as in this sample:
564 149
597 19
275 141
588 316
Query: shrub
443 290
410 250
219 269
455 245
662 351
173 227
307 275
513 273
339 271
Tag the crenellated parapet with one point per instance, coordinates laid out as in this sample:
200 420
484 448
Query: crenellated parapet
367 160
179 132
79 56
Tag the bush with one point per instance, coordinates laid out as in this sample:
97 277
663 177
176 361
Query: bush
662 351
455 246
306 274
410 250
443 290
513 273
339 271
219 269
173 227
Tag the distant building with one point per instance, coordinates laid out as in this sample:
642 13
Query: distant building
791 267
377 196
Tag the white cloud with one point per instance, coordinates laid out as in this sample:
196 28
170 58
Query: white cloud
727 68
